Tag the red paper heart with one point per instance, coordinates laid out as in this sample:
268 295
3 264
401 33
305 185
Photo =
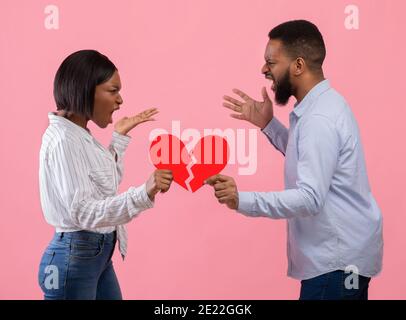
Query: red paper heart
209 157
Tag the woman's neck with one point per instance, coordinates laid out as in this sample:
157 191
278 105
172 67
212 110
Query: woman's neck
80 121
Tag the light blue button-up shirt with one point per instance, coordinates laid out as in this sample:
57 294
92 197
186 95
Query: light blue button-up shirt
333 219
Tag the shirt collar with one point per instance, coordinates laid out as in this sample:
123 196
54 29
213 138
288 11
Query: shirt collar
301 107
66 123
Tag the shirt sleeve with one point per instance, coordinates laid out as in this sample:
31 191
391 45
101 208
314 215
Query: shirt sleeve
277 134
117 147
318 149
74 187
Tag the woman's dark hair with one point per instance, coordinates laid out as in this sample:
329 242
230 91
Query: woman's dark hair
301 38
76 80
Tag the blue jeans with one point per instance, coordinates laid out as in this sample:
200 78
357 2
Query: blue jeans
78 265
332 286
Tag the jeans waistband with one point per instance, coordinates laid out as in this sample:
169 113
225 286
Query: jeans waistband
88 236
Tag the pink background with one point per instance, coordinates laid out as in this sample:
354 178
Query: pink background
182 57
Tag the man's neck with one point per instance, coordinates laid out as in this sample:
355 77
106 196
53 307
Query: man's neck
304 89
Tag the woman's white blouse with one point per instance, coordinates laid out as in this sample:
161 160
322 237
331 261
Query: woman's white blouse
79 180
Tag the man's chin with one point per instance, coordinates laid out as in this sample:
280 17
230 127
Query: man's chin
281 104
282 101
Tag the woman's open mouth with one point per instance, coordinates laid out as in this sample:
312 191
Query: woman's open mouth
111 117
111 114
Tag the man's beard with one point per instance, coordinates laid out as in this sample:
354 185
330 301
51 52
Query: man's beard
283 90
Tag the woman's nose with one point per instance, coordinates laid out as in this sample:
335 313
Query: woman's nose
119 99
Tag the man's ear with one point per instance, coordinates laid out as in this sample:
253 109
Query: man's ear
299 66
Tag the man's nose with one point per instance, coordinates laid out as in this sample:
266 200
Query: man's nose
265 69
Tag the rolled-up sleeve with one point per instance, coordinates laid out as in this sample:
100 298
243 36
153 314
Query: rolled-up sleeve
277 134
117 147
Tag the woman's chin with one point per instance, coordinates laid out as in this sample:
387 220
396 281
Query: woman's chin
103 124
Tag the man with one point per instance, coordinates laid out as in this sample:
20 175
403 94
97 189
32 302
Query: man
334 223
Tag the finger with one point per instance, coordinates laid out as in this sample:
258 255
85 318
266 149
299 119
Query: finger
165 178
242 94
163 181
164 184
224 199
168 176
237 116
146 116
232 107
265 94
220 186
152 112
164 170
232 100
222 178
220 194
145 120
165 174
213 179
142 121
146 113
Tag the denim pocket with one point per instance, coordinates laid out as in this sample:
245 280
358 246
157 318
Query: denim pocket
46 261
53 269
81 249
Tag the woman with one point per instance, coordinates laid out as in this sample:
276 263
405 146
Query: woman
79 179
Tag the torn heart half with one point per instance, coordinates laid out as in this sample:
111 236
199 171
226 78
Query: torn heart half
208 157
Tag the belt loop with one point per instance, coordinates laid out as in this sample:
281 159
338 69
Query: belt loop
61 235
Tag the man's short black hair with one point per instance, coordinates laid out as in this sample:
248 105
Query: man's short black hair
76 80
301 38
